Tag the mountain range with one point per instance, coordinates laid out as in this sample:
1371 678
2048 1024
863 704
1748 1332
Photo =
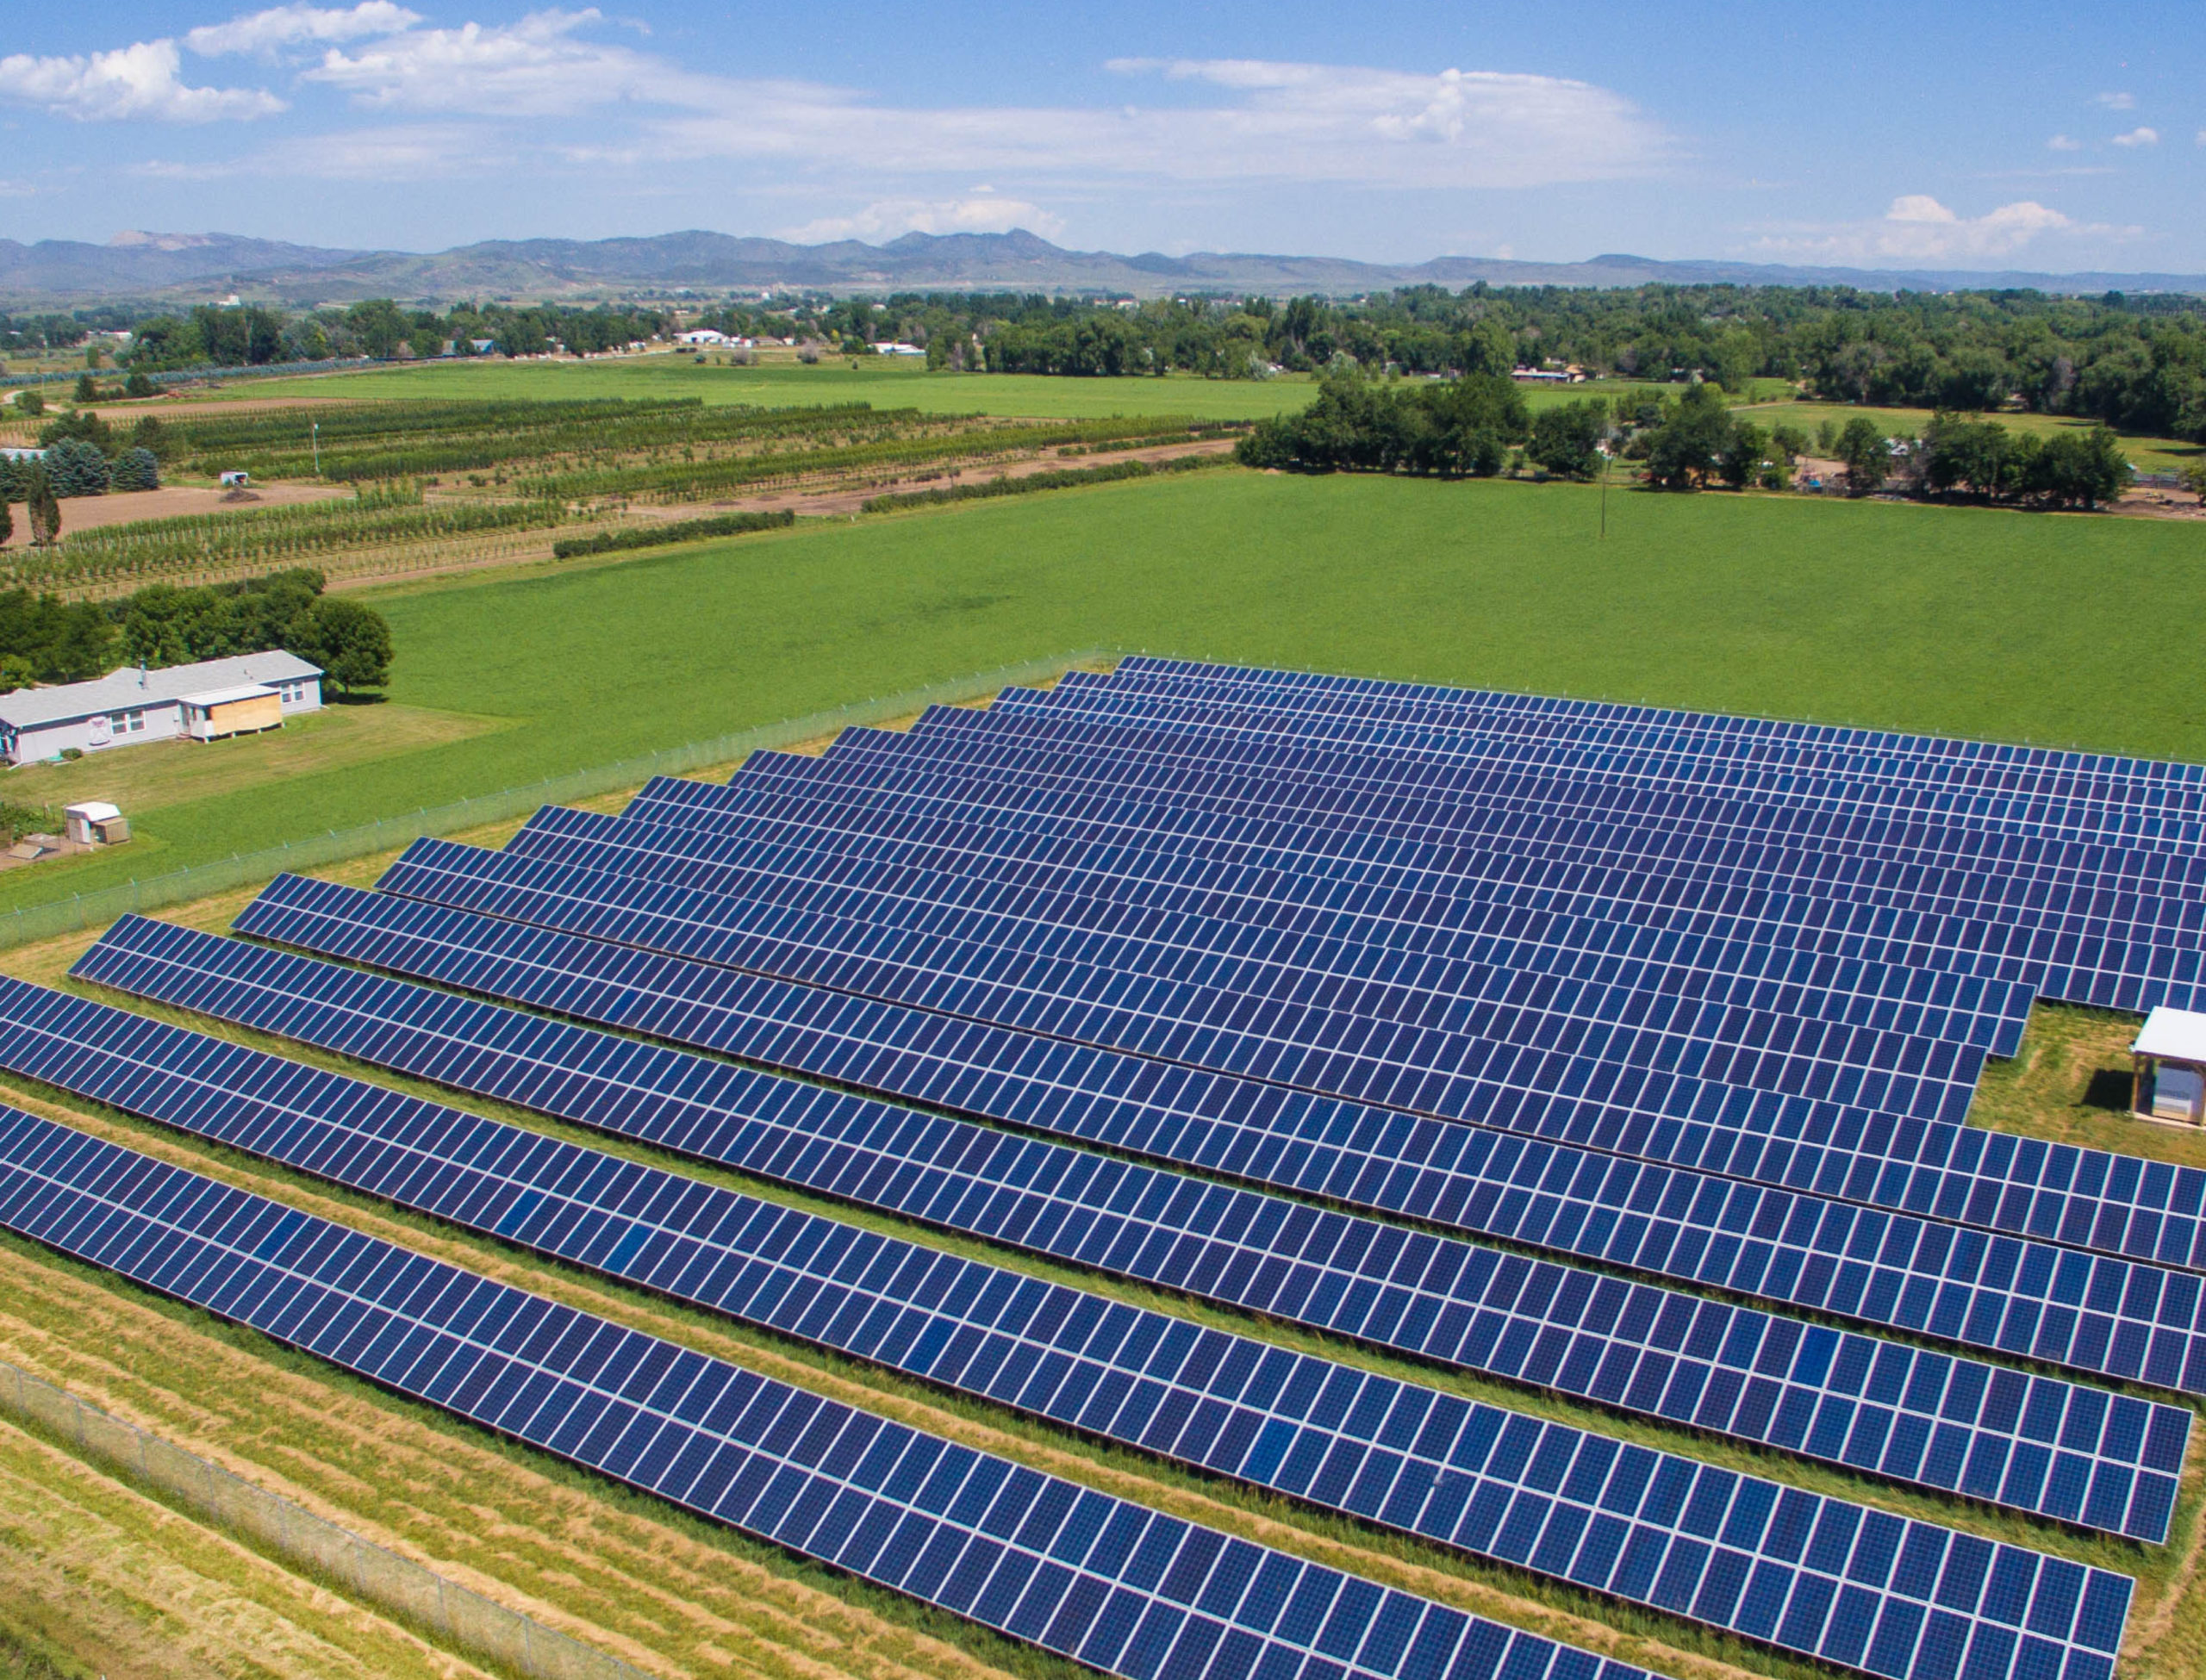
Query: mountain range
196 267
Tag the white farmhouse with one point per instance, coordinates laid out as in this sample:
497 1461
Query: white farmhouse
202 702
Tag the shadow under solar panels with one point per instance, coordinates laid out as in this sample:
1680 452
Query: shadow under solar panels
1121 1588
1906 1413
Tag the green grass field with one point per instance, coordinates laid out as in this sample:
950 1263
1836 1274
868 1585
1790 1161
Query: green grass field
2019 626
886 384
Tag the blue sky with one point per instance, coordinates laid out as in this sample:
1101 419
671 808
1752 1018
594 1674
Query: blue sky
1969 134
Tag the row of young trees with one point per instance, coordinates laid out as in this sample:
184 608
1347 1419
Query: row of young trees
44 639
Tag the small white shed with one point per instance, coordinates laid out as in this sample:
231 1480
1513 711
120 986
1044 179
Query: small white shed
2170 1054
95 822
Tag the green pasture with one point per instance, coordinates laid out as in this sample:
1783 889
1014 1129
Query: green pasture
2019 626
884 383
2148 454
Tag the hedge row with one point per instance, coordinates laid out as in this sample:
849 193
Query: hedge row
1069 478
680 531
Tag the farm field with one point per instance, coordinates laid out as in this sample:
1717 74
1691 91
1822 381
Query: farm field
891 385
1941 619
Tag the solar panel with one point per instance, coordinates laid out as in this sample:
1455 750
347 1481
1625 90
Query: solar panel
2087 1199
1894 769
2029 882
1351 1441
1934 788
1119 1587
587 903
1737 1013
2063 1307
2139 784
1876 1406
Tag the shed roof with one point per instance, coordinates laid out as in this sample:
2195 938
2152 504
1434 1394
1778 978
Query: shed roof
243 691
2178 1034
127 686
93 811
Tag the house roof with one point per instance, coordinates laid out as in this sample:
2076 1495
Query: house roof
2178 1033
126 687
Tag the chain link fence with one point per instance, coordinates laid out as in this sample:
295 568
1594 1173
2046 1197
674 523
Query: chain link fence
450 1614
99 908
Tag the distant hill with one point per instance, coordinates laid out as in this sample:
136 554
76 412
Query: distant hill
193 267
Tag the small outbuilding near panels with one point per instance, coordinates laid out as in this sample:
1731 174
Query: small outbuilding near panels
2170 1054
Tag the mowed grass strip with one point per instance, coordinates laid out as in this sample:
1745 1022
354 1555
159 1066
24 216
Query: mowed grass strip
2054 629
101 1575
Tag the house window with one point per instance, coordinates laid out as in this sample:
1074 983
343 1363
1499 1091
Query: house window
126 723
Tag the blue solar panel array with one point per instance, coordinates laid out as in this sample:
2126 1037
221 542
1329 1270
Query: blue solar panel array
1121 1588
2090 1198
2142 795
2066 1306
1813 1574
2030 907
1699 998
1907 1413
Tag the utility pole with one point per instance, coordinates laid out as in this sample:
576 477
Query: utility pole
316 425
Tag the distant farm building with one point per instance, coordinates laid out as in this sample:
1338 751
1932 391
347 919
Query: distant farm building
201 702
701 336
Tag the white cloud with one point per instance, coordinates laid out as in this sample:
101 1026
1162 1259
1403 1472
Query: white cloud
2062 143
982 213
536 67
139 81
2137 137
288 26
2118 102
1917 228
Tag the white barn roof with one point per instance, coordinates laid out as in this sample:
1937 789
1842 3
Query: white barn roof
124 688
2178 1033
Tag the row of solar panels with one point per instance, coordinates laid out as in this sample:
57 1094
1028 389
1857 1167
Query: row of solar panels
2035 1443
839 953
1640 726
2107 788
1814 1574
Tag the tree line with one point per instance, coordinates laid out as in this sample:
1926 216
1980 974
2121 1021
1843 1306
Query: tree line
254 335
45 639
2138 363
1479 425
